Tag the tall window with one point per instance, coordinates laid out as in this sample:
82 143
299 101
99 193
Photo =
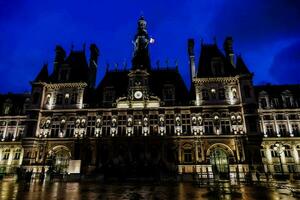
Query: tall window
54 130
170 124
282 129
208 127
287 151
225 127
70 130
6 154
186 123
270 129
17 154
263 102
91 125
295 129
187 154
122 122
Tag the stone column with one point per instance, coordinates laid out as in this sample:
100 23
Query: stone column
263 125
5 130
289 125
196 151
16 130
276 125
179 152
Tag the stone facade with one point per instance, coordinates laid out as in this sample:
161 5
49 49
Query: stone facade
145 122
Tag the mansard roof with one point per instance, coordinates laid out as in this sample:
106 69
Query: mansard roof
117 80
210 53
276 91
16 103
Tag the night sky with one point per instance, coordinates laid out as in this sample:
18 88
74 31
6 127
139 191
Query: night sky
266 33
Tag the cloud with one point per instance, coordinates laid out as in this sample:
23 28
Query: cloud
286 64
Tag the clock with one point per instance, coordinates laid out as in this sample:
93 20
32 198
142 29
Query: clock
138 94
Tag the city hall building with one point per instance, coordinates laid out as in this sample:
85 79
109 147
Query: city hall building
144 121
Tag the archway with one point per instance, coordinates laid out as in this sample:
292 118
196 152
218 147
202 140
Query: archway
219 160
60 156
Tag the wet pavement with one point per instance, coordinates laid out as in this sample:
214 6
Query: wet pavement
136 191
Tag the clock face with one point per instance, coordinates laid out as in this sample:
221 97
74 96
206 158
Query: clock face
138 94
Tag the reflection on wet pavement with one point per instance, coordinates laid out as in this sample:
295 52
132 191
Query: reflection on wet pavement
134 191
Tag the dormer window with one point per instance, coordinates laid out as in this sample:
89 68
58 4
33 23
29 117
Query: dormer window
74 98
169 93
263 102
234 93
108 94
59 99
64 75
48 97
222 94
287 98
205 95
217 67
6 109
213 93
67 97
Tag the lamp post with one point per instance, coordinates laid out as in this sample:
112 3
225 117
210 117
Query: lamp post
279 148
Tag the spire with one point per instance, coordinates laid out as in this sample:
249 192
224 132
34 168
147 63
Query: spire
191 44
228 49
141 59
93 64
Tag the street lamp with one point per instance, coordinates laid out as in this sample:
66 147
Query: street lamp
279 148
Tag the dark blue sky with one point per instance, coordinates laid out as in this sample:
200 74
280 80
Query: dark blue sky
265 32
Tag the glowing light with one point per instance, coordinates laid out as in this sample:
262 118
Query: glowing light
152 40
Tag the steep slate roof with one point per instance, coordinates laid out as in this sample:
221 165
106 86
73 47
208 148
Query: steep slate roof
209 52
43 76
241 66
275 91
159 77
118 80
77 64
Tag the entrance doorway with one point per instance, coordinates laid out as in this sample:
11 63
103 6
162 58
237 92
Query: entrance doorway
219 162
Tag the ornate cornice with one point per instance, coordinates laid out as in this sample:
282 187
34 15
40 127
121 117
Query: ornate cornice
65 85
216 79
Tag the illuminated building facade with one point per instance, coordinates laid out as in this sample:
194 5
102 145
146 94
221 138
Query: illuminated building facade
141 121
279 111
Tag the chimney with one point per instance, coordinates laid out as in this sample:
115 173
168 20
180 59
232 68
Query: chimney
228 49
93 65
191 44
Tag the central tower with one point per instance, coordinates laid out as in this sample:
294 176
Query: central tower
141 59
139 94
